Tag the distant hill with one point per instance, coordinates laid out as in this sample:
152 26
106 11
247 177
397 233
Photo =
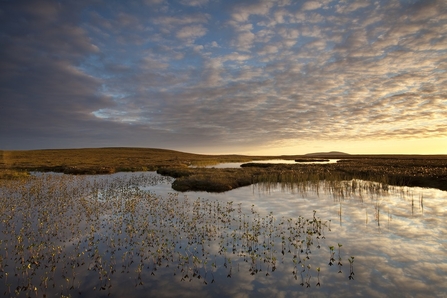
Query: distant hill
332 153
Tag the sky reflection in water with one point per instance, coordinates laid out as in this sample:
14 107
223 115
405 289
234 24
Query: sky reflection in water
398 239
273 161
399 243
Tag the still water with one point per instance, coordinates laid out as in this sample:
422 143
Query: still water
131 234
272 161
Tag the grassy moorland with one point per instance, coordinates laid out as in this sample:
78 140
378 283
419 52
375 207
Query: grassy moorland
107 160
408 170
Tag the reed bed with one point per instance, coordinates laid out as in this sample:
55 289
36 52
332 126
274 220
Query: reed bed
288 176
338 185
397 172
68 235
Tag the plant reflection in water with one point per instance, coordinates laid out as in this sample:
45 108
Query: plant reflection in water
73 235
130 234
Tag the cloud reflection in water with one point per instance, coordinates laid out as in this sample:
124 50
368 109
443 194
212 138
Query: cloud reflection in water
397 238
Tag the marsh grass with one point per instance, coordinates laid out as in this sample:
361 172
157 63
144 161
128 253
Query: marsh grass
268 176
211 180
399 170
396 172
104 160
60 231
7 174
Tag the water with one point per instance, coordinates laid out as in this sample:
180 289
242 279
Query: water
113 224
272 161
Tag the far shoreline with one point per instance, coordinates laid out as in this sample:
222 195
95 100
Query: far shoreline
402 170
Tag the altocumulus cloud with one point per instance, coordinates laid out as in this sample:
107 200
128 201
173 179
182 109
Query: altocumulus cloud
217 74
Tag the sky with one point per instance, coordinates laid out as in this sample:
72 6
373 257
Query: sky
221 76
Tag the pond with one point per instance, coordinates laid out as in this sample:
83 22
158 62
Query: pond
131 234
273 161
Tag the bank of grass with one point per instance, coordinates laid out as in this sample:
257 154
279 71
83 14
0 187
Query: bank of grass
401 170
220 180
7 174
408 172
108 160
209 179
398 171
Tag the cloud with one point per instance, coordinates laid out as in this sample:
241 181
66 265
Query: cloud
182 20
244 40
424 10
194 2
191 32
151 62
242 12
247 74
353 6
153 2
311 5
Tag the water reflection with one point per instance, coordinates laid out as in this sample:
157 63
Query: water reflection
136 236
398 237
272 161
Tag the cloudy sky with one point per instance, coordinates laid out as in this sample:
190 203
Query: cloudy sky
224 76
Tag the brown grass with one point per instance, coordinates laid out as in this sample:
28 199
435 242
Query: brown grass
410 170
118 159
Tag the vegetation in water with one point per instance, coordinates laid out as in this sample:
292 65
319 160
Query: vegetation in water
60 231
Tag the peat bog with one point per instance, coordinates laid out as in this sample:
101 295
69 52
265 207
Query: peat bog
283 228
400 170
